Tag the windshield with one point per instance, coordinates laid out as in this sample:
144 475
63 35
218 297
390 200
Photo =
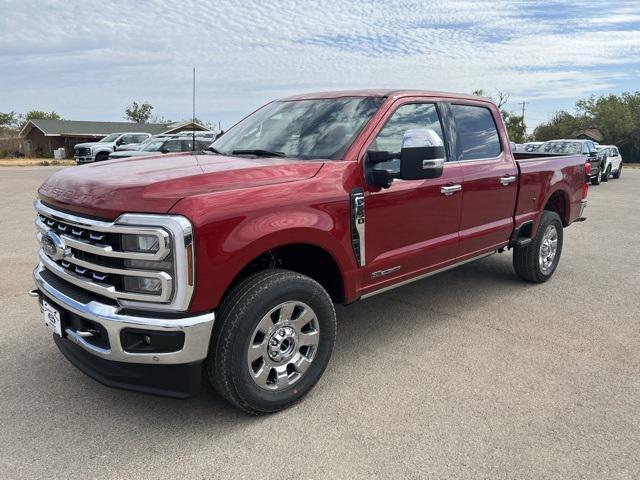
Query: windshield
306 129
561 147
153 146
110 138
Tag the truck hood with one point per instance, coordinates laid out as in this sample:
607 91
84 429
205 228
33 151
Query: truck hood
153 184
91 144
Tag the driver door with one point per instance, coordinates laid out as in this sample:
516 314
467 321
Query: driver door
411 227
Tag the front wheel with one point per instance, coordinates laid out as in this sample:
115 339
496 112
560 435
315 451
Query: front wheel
605 176
537 261
102 157
272 341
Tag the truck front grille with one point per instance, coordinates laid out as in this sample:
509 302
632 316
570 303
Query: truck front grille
95 256
82 152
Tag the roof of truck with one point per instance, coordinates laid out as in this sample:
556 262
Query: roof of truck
383 93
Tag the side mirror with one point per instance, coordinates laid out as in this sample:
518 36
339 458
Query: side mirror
164 150
615 154
421 157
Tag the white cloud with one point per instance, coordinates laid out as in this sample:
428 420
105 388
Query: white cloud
89 59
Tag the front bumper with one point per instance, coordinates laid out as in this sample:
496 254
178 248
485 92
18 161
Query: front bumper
81 160
110 323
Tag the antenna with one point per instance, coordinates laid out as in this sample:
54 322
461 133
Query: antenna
193 118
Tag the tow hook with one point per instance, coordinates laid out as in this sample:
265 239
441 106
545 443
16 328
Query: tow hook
33 292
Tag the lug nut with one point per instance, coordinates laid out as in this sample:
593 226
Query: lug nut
274 342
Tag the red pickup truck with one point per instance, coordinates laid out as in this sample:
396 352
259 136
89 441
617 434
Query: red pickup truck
153 269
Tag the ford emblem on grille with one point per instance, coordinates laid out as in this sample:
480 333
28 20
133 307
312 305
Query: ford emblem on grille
53 246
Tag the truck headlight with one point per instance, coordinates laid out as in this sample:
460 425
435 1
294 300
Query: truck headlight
140 243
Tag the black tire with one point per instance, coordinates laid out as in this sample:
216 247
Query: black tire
605 176
596 179
618 172
238 317
526 259
101 157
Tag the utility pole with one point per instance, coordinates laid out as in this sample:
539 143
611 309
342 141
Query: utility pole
193 118
523 104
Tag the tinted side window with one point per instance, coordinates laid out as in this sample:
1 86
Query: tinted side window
477 135
173 146
126 139
406 117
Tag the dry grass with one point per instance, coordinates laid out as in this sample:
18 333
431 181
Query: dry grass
34 162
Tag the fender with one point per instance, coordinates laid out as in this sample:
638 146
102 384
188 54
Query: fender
223 252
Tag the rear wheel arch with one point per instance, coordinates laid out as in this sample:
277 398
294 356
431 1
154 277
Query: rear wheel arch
558 202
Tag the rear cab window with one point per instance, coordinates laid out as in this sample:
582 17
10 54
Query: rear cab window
476 133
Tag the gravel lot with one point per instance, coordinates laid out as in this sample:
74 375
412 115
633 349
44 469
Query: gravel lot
470 374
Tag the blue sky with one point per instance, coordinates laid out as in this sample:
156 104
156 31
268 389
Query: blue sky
88 60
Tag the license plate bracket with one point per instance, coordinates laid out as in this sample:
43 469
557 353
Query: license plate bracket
52 318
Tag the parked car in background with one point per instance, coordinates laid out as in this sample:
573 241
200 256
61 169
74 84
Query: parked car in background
164 145
137 146
232 260
199 134
611 161
99 151
576 147
530 146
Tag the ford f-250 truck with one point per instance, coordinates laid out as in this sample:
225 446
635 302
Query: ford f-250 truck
153 269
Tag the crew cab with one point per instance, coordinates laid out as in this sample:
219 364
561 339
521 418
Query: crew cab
99 151
152 269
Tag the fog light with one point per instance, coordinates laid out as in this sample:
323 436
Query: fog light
142 285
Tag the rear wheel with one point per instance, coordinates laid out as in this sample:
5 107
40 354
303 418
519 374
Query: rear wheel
618 172
537 261
605 175
272 341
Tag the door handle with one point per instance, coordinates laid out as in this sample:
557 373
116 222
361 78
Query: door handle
507 179
450 189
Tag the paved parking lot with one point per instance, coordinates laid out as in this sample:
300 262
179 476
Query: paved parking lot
470 374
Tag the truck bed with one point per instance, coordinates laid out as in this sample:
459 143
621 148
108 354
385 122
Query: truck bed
541 176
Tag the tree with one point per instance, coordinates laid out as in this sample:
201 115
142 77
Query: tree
138 113
516 128
8 123
36 115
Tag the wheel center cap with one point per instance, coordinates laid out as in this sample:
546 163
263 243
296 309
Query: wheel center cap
282 344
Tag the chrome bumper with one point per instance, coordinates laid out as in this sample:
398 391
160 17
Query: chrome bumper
197 329
583 205
81 160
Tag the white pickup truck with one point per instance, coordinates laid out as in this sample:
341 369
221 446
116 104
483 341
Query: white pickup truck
99 151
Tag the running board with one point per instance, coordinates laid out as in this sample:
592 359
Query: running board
425 275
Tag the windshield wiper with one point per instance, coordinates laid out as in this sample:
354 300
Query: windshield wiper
259 152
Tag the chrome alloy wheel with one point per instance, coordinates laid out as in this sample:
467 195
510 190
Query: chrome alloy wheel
548 249
283 345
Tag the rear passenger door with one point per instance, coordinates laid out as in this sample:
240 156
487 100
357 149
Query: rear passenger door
490 183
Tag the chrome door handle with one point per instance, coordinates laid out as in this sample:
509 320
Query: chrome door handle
507 179
450 189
